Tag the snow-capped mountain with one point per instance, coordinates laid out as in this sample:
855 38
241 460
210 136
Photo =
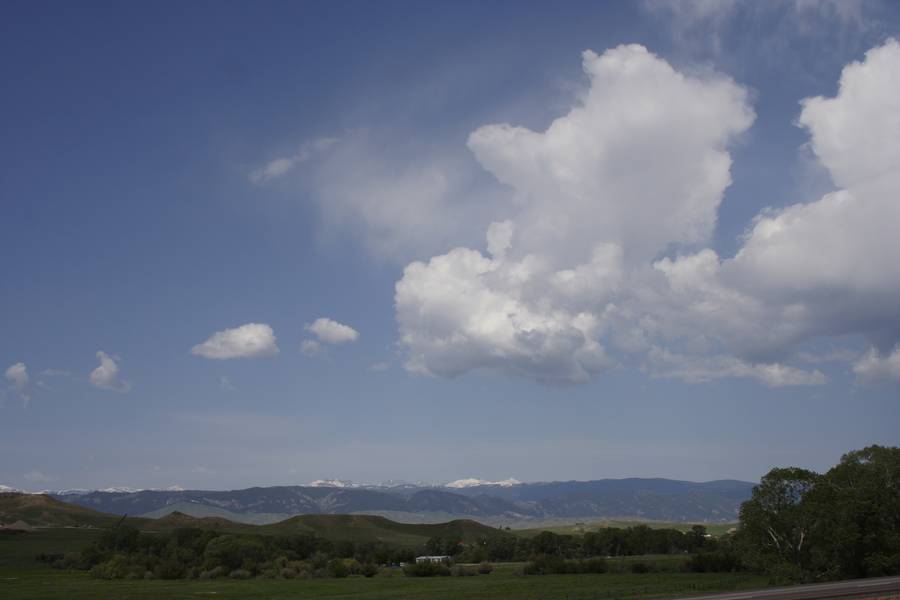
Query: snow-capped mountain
336 483
466 483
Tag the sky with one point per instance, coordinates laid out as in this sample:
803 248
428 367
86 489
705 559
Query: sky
265 243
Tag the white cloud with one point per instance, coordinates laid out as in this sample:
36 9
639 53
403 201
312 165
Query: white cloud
17 374
700 369
283 165
875 368
573 284
332 332
247 341
833 261
587 211
311 348
106 376
585 179
708 25
401 200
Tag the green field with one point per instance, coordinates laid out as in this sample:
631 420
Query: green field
716 529
21 578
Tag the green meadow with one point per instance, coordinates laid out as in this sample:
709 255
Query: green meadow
21 578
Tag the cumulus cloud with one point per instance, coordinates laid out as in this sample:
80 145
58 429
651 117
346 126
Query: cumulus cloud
247 341
284 164
586 179
17 375
332 332
106 376
875 368
588 211
602 261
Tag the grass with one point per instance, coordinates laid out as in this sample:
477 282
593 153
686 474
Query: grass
21 578
715 529
502 583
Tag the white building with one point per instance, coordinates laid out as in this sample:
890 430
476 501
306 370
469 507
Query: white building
432 559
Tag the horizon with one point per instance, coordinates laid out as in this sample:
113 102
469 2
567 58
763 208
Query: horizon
248 244
348 484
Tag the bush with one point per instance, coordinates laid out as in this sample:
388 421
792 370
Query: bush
485 568
369 570
169 569
337 568
240 574
426 569
641 567
543 564
461 571
594 565
114 568
719 561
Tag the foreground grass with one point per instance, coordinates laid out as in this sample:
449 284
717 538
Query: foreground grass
35 584
21 578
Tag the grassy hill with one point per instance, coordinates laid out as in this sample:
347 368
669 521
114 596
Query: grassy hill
369 528
39 510
43 511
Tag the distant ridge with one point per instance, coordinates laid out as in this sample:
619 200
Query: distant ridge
26 511
494 503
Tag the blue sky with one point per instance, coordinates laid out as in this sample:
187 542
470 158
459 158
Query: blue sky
327 173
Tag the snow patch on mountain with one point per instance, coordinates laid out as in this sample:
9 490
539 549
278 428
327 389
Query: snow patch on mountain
471 482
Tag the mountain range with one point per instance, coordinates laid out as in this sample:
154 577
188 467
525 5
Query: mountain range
495 503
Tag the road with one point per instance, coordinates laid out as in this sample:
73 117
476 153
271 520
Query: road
876 587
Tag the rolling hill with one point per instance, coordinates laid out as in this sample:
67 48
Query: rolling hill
41 511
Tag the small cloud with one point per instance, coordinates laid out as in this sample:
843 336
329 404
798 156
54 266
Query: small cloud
311 348
247 341
282 165
873 367
332 332
106 376
225 384
17 375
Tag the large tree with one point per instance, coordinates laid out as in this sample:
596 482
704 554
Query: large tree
776 523
857 504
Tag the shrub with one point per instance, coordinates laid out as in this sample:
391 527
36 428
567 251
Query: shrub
485 568
426 569
369 570
240 574
337 568
594 565
640 567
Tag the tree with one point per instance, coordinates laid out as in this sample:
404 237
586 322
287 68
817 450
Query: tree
858 506
776 524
